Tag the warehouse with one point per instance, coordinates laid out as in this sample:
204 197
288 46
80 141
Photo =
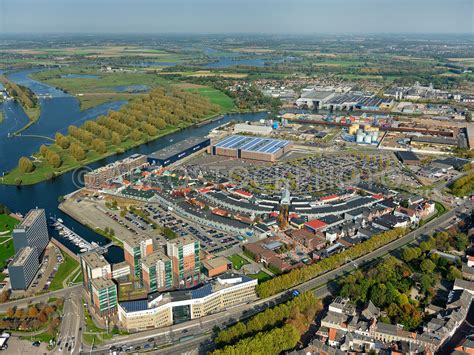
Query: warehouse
242 147
408 157
178 151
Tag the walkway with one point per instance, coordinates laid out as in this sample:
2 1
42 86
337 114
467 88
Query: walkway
34 136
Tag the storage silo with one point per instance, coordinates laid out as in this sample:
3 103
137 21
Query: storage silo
360 137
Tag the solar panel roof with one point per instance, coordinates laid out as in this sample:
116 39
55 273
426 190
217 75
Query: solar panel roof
252 144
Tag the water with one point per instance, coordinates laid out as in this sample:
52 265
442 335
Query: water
59 112
132 88
80 76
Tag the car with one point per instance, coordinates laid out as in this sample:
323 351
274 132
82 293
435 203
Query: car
69 349
151 339
146 346
138 347
36 344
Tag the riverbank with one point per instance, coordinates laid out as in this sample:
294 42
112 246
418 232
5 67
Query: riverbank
44 171
25 97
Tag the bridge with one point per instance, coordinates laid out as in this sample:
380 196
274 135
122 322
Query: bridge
32 136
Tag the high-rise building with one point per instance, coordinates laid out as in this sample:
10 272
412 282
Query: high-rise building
184 253
136 248
23 268
157 272
104 296
32 231
94 266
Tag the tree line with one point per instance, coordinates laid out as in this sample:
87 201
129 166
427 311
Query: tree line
463 186
140 120
305 273
24 95
306 304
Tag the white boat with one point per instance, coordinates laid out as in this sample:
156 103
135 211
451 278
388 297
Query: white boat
60 220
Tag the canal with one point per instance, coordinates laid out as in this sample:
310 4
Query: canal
57 113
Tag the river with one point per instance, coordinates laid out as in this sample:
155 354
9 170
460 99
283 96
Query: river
59 112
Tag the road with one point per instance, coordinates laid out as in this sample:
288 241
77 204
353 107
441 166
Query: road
194 336
40 298
69 335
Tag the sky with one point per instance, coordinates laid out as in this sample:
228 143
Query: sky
237 16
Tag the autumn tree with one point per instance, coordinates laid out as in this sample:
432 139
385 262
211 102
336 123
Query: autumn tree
25 165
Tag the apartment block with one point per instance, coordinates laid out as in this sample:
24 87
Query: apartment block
157 272
136 248
104 296
32 231
23 268
184 253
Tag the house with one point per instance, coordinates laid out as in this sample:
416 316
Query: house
315 225
390 222
312 241
371 311
297 222
464 285
407 212
468 273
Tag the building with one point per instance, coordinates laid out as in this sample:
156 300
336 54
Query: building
252 148
470 135
136 248
256 129
314 99
408 157
98 178
184 253
23 268
178 151
120 270
164 309
32 231
93 266
103 296
216 266
157 272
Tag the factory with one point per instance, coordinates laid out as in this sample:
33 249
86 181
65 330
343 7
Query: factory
178 151
366 135
253 148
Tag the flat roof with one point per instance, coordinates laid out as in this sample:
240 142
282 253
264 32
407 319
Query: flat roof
94 259
182 241
153 258
31 217
101 283
177 148
135 240
22 255
252 144
216 262
407 155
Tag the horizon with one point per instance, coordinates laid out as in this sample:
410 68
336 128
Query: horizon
300 17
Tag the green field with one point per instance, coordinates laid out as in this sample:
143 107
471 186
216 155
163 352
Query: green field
65 269
261 276
237 261
7 223
6 251
216 97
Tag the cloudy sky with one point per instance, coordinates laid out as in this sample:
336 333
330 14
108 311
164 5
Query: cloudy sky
237 16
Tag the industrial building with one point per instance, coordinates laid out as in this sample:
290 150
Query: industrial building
253 148
164 309
99 177
178 151
260 130
314 99
23 268
408 157
32 231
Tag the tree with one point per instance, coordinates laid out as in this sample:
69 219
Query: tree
54 159
32 312
77 152
99 146
10 312
427 266
453 273
115 138
25 165
62 141
136 135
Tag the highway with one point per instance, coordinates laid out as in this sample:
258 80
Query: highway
194 336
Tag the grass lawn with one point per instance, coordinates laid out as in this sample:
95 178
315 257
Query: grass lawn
6 251
216 97
42 337
7 223
261 276
65 269
237 261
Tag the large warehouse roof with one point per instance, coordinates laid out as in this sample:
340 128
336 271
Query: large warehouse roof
252 144
177 148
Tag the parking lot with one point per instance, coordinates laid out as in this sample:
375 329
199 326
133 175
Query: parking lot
211 240
18 346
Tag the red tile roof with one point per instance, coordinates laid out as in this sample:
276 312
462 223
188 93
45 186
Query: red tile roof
315 224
